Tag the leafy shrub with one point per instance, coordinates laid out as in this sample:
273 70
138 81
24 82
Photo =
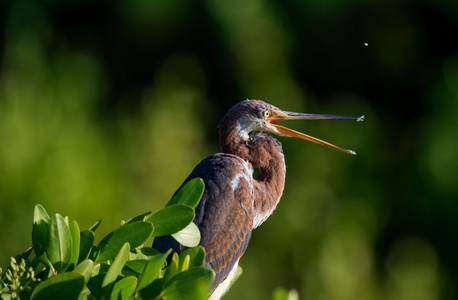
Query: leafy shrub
68 265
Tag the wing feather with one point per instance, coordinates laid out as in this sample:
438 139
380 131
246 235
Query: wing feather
224 215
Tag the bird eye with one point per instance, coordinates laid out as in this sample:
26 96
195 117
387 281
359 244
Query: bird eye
266 114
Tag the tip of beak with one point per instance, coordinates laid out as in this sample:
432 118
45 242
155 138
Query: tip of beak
360 119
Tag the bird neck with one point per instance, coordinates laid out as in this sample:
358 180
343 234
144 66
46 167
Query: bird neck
264 152
268 186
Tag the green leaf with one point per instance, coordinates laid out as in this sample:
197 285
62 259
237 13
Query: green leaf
197 257
96 225
191 284
85 268
100 268
189 236
40 213
24 255
95 286
123 288
172 268
171 219
152 270
134 267
117 265
141 217
40 232
148 251
153 290
67 285
85 294
189 194
75 235
86 242
94 253
59 248
184 263
135 234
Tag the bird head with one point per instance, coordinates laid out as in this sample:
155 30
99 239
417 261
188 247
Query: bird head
259 116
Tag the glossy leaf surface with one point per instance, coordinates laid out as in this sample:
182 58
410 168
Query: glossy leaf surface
191 284
135 234
123 288
59 248
85 268
67 285
171 219
196 254
117 265
188 236
189 194
86 241
152 270
75 236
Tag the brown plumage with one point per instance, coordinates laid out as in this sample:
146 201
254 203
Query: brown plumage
234 203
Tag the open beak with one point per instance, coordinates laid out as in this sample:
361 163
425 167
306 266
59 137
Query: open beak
277 116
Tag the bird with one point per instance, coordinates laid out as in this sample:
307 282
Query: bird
234 202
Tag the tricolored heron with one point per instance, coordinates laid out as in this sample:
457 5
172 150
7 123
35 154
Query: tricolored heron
234 203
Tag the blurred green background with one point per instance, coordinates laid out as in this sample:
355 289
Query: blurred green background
106 106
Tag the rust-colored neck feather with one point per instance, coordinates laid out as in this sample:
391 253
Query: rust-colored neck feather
264 152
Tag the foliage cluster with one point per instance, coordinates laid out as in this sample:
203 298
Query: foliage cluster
115 100
68 265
